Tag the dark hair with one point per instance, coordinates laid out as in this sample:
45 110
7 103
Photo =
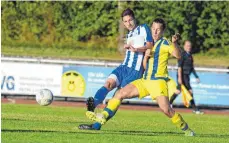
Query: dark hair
129 12
161 21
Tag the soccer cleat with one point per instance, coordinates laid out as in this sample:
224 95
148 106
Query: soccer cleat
86 127
97 117
189 133
198 112
90 104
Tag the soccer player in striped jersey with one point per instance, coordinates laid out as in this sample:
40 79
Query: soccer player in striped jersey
153 83
139 39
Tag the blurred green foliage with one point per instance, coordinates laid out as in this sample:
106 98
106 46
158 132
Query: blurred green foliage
95 25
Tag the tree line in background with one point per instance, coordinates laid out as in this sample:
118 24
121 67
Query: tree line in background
80 24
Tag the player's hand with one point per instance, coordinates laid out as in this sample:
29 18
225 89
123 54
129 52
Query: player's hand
197 80
148 53
178 91
132 49
176 37
126 46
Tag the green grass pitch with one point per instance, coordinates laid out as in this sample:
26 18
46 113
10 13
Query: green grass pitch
37 124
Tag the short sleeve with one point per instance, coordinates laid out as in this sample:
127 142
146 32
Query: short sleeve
170 46
148 33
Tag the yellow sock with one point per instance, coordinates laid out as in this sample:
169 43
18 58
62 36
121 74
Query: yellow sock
112 106
106 114
179 121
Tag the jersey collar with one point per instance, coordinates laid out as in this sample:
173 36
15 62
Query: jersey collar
159 39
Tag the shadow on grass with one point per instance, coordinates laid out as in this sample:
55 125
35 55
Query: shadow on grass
153 133
46 131
118 132
34 120
107 132
144 133
213 136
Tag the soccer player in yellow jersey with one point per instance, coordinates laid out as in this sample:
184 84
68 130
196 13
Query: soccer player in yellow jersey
154 81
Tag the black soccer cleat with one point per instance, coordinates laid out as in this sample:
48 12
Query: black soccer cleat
90 104
86 127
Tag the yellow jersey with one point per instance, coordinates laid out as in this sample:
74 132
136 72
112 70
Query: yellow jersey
157 64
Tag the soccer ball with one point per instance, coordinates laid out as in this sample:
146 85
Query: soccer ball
44 97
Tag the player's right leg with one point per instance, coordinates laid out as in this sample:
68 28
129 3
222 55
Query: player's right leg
129 91
135 89
100 95
96 125
112 82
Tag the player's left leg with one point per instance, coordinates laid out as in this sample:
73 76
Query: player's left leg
135 89
176 118
111 109
129 91
96 125
161 89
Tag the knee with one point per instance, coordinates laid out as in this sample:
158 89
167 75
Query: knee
121 95
168 112
109 85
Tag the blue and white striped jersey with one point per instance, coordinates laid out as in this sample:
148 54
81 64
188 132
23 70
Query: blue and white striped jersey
136 36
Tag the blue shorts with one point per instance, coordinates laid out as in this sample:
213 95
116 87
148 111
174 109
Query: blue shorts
124 75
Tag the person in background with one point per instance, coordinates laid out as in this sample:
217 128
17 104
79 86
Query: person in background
185 68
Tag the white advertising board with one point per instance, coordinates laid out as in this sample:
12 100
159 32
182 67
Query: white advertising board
28 78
